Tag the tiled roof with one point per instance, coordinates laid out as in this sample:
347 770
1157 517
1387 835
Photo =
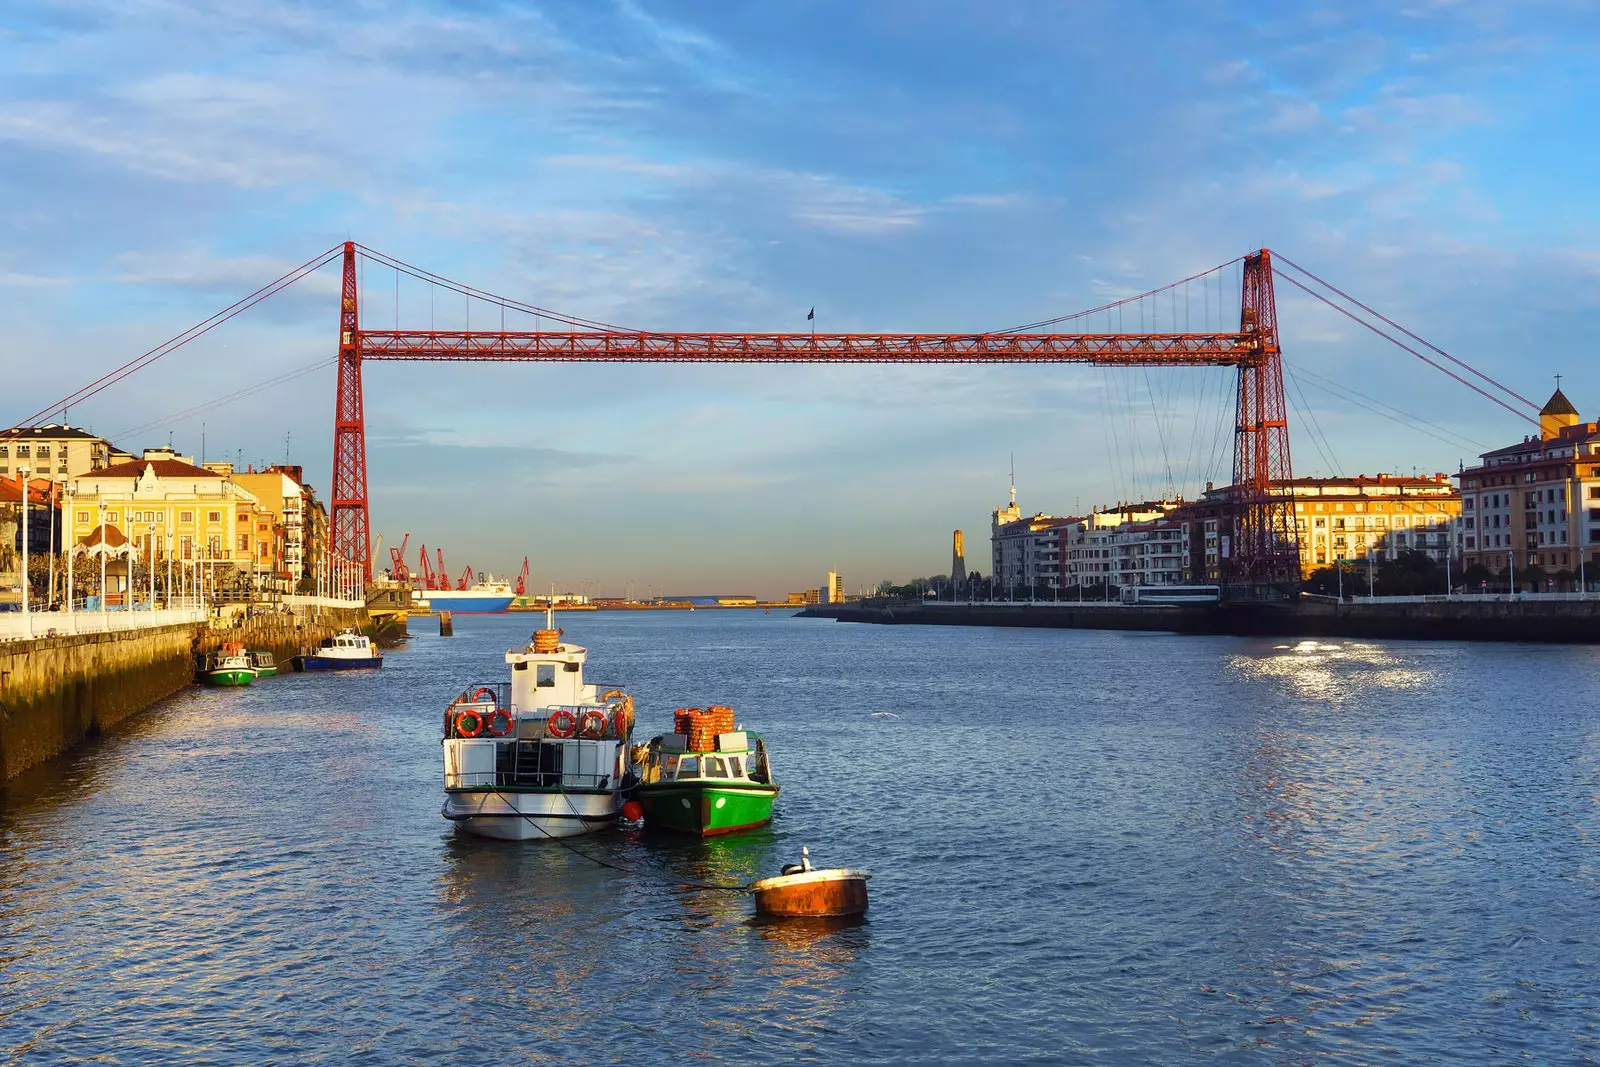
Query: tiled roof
49 431
165 468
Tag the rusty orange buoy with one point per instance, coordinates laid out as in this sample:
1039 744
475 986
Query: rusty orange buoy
802 890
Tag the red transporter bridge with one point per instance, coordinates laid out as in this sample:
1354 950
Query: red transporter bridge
1263 547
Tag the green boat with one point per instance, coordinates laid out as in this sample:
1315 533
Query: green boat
263 661
229 665
708 792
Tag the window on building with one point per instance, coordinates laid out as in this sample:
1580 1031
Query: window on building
111 517
83 518
186 516
213 516
244 542
43 452
5 451
22 452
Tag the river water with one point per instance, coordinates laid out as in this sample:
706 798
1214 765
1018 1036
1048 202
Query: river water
1087 848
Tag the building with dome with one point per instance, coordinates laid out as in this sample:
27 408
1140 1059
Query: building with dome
1530 512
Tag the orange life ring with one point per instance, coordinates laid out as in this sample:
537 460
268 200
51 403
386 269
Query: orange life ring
484 695
592 724
469 723
493 723
568 721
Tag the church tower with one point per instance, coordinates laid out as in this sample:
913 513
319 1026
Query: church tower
1557 414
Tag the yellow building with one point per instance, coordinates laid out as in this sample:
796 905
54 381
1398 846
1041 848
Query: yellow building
280 543
1382 515
165 500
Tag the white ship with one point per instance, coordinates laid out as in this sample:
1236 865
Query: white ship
489 596
541 756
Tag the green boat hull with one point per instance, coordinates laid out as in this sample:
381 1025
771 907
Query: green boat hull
262 672
707 808
230 677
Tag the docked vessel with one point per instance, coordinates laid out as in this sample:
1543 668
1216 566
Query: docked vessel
487 597
345 651
541 756
229 665
707 777
263 661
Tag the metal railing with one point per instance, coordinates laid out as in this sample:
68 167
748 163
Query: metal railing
16 626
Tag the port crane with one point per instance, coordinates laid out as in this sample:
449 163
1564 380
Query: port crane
521 588
397 557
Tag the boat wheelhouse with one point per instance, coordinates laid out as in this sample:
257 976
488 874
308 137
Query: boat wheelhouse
345 651
229 665
706 779
541 756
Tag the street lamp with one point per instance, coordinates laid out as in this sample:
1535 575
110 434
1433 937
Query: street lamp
27 624
103 557
150 540
72 491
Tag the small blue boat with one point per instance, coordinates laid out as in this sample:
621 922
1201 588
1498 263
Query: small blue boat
345 651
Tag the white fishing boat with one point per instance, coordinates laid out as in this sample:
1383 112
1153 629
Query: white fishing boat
541 756
345 651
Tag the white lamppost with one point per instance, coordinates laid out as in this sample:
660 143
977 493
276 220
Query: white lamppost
150 540
72 491
102 557
27 624
50 595
167 597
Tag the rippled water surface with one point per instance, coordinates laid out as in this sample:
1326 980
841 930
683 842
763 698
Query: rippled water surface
1088 848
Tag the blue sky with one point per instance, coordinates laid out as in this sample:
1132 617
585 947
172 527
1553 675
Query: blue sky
899 164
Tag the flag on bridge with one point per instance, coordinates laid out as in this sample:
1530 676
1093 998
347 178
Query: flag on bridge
811 316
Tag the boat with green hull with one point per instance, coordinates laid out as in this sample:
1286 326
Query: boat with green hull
264 662
708 790
228 666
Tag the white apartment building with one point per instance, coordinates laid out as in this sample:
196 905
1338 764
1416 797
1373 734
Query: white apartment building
1117 544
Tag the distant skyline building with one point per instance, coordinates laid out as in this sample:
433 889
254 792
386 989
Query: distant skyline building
1536 504
833 588
958 562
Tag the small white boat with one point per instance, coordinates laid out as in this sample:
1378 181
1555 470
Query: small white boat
345 651
542 756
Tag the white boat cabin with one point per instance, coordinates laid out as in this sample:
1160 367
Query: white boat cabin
548 729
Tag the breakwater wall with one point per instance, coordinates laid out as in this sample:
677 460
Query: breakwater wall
57 691
1542 621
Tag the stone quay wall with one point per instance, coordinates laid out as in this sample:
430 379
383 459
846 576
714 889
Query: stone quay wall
57 691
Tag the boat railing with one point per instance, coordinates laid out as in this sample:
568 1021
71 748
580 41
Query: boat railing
541 764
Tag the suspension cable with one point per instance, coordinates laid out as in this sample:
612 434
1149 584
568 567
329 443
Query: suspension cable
228 398
199 329
471 293
1347 313
1033 326
1420 340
